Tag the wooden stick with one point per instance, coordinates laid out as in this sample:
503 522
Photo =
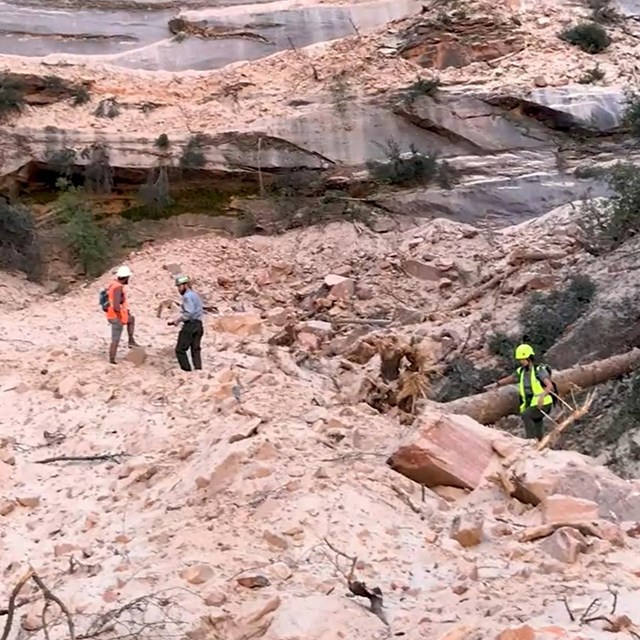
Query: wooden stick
482 289
104 457
535 533
576 414
12 603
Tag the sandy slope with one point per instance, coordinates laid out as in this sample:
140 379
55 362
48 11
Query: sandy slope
186 496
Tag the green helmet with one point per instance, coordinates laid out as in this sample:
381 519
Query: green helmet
181 280
524 352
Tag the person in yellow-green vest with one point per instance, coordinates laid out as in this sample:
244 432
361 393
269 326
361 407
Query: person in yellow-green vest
535 389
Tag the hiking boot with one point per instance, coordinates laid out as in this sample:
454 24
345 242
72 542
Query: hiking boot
133 344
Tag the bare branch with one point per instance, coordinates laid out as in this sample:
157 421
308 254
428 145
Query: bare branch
12 603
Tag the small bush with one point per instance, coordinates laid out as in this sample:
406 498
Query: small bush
591 76
86 239
11 95
402 169
589 36
80 95
631 115
107 108
503 346
462 378
545 316
193 154
162 141
54 83
586 172
19 243
606 225
62 161
421 87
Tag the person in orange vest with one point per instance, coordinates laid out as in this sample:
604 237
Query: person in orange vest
118 312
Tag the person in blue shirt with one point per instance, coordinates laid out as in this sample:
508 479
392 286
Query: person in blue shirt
191 332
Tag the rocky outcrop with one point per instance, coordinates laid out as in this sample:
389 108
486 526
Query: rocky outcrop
43 90
577 107
458 40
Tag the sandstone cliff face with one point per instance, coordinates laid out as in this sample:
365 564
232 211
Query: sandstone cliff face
503 115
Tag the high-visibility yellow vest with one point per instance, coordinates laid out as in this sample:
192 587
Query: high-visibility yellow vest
536 388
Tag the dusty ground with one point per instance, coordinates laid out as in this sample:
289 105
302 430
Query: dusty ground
207 489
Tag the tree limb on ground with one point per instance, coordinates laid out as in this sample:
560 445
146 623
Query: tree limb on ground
560 427
490 406
103 457
11 607
545 530
357 588
483 288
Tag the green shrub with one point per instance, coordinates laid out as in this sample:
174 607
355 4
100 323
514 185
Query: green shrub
54 83
80 95
591 76
606 225
463 378
86 239
193 154
162 141
503 346
402 169
62 161
107 108
19 242
631 115
589 36
545 316
11 95
421 87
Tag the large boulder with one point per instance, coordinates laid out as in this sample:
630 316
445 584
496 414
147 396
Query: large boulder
570 474
450 450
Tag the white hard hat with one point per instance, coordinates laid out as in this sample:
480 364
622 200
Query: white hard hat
123 272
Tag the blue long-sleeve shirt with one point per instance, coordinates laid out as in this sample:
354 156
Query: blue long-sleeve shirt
191 306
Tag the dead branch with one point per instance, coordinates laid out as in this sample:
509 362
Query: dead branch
104 457
12 603
527 255
404 496
380 322
566 606
535 533
353 25
49 596
595 603
316 75
357 588
482 289
560 427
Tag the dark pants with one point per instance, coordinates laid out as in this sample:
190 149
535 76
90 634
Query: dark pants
532 418
189 338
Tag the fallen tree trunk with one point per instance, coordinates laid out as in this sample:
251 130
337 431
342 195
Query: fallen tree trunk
490 406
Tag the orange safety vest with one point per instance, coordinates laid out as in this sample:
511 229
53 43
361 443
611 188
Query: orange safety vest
123 315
